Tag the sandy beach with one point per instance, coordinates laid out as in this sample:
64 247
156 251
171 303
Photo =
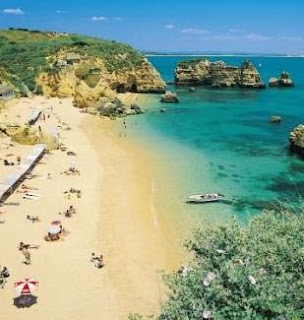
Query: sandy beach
115 216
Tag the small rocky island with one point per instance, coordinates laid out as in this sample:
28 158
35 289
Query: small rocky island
283 81
169 97
296 140
217 74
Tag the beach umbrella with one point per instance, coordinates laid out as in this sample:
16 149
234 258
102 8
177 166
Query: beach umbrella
54 229
25 301
26 286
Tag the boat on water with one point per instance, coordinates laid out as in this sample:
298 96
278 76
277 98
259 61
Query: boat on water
207 197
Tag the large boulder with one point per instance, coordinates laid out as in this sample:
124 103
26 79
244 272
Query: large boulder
111 109
296 140
169 97
283 81
217 74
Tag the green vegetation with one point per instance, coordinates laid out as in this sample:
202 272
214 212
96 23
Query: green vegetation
24 53
191 62
237 273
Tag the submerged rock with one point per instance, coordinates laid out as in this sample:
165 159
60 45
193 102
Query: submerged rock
275 119
283 81
169 97
217 74
163 110
296 140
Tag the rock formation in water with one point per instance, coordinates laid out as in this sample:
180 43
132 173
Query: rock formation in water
283 81
296 140
217 74
275 119
169 97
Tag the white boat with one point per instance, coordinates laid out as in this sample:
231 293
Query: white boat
207 197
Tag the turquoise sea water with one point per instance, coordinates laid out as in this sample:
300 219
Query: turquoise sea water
221 140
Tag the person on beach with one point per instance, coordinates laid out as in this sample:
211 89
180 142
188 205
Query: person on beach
27 256
24 248
23 245
97 260
32 218
4 275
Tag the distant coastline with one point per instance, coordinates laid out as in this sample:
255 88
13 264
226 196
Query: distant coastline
220 55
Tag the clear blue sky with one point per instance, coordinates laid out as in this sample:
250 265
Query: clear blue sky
272 26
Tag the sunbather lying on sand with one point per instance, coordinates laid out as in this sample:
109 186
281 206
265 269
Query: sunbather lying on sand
97 261
69 212
71 171
23 245
32 218
73 191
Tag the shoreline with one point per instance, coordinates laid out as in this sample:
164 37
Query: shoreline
116 217
141 248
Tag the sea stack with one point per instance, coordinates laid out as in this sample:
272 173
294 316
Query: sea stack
283 81
169 97
217 74
296 140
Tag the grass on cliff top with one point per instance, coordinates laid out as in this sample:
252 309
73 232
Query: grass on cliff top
191 62
23 53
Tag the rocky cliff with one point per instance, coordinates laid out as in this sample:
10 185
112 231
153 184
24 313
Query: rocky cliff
91 70
217 74
89 81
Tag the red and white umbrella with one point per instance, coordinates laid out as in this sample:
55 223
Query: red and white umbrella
26 286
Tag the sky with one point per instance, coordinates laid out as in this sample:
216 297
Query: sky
256 26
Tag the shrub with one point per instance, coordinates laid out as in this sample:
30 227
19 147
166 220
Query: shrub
255 272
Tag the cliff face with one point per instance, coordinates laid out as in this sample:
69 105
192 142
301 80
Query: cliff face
70 65
88 80
217 74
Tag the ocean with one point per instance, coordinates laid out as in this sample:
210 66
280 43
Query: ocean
221 140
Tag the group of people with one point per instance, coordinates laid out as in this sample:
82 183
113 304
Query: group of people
71 192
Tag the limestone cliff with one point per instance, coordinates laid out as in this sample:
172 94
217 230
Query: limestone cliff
217 74
88 80
68 65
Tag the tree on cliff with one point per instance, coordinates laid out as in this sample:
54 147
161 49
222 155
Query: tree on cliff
242 273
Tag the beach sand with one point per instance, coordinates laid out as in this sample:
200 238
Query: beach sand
115 216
